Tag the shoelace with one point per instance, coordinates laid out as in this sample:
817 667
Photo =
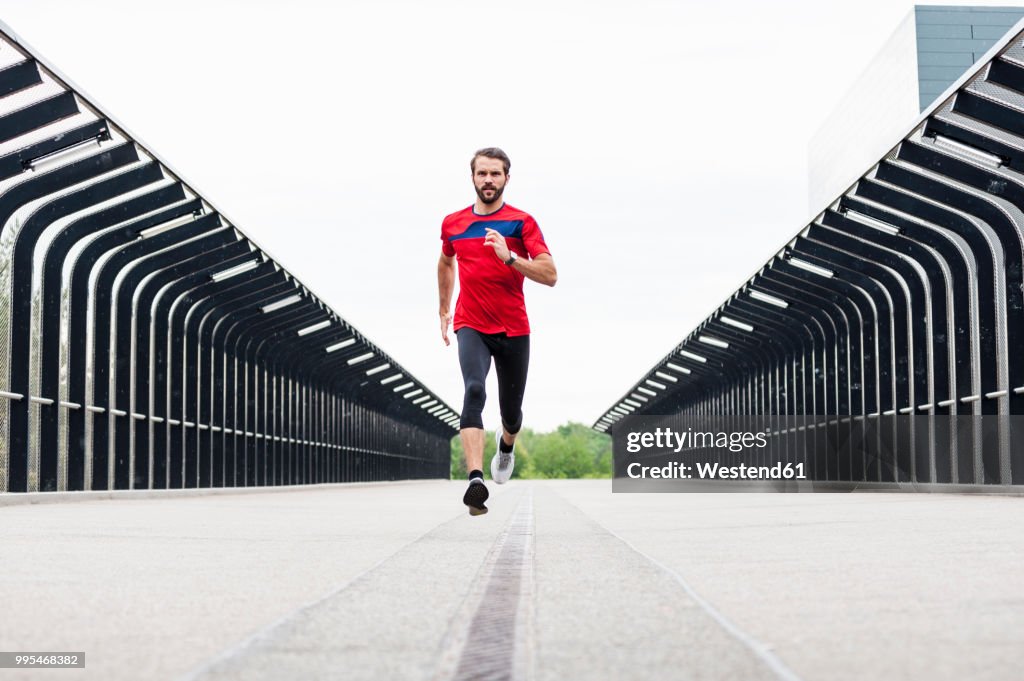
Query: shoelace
503 459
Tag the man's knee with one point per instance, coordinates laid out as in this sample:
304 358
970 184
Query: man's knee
473 405
512 426
475 392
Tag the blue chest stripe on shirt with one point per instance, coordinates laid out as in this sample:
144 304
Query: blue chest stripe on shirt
510 229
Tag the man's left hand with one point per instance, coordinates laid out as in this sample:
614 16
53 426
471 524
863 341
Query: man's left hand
495 240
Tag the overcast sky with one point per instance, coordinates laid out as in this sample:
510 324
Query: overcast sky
660 145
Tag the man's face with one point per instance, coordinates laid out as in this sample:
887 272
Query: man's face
489 179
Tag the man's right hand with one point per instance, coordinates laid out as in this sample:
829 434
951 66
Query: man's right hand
446 321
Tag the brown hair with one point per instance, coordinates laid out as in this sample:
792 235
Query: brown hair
491 152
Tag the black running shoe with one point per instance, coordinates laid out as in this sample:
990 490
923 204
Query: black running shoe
475 496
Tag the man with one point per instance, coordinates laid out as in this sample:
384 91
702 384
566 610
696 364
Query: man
496 247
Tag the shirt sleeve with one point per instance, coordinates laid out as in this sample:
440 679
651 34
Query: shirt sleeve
446 245
533 239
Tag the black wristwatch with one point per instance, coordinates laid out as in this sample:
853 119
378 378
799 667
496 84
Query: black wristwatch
511 258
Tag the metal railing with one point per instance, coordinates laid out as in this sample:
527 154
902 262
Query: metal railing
901 306
148 343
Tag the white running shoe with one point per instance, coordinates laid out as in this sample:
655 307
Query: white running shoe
502 463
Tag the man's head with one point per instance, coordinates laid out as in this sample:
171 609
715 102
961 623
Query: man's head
490 173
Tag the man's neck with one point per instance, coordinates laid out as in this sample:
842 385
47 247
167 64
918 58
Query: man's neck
481 208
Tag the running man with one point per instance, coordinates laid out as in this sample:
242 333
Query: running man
496 247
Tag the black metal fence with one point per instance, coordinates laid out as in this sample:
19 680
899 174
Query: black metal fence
904 297
148 343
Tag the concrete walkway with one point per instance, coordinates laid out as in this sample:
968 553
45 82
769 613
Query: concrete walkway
561 580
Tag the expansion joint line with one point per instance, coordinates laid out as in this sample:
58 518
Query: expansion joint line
491 636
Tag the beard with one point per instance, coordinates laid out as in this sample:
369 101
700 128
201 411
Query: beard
488 201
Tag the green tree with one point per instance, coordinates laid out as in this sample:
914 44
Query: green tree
458 463
572 450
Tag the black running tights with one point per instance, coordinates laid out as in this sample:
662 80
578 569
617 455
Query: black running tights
511 361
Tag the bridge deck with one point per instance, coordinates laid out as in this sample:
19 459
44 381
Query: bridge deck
561 580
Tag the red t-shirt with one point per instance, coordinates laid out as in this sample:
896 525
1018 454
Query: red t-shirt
491 292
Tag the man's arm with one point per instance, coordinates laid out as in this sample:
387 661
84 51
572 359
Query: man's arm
541 269
445 286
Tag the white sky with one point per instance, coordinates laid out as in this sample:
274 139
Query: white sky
660 145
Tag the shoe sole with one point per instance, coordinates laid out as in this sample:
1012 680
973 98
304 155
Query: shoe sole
475 497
